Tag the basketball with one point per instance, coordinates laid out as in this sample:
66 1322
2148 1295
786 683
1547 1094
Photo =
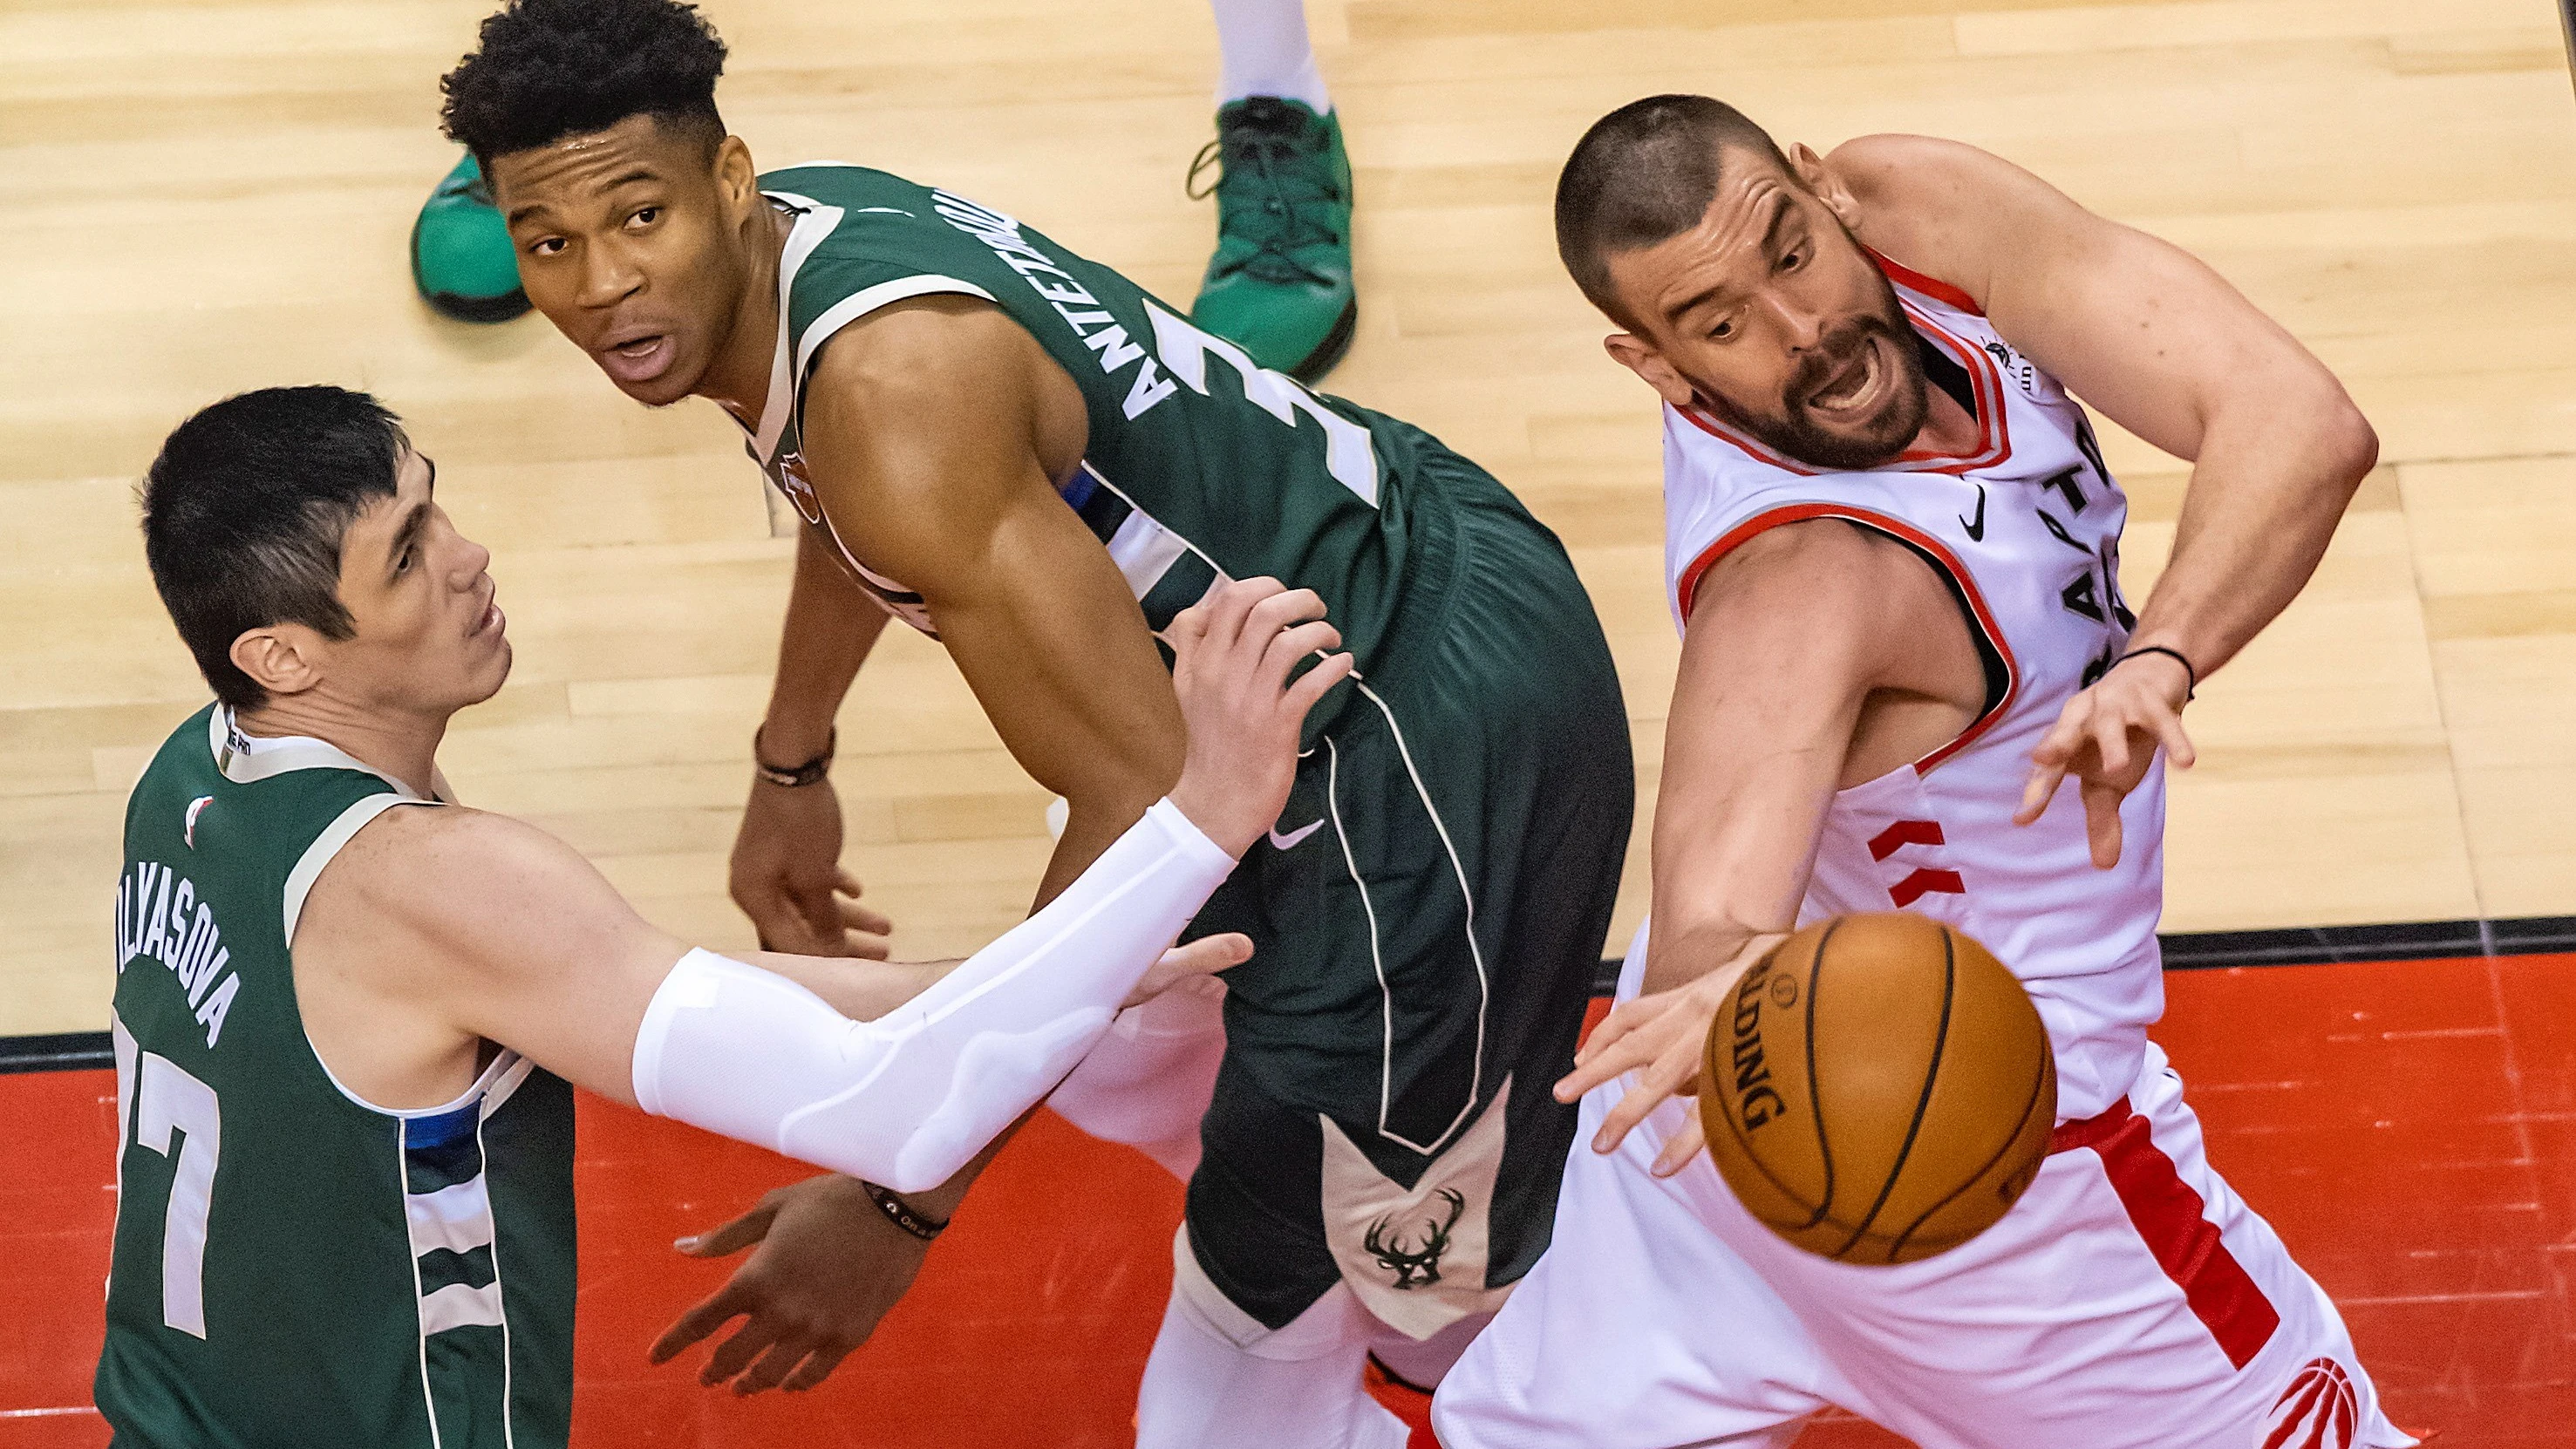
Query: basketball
1880 1089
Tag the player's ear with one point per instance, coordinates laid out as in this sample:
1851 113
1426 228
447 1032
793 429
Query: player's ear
736 179
279 658
1642 358
1823 184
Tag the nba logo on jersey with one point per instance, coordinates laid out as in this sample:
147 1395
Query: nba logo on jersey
793 483
196 808
2317 1411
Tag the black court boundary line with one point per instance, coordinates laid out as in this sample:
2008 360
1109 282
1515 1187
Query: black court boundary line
2191 951
2312 945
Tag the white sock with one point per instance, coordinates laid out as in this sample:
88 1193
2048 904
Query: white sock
1267 53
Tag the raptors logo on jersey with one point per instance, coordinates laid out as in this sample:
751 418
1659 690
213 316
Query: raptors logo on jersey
2025 529
2318 1411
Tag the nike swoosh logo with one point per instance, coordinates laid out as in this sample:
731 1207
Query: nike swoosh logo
1290 840
1977 530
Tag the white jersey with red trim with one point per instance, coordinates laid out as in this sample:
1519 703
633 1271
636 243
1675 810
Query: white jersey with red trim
2026 530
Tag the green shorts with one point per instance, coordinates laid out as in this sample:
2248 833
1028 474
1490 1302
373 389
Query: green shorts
1428 916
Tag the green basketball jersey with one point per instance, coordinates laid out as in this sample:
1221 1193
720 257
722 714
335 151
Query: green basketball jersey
292 1266
1200 465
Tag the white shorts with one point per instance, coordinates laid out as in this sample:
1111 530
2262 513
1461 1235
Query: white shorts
2130 1300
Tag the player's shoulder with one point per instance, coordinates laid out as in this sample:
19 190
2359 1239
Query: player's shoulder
1898 167
1821 564
842 184
424 861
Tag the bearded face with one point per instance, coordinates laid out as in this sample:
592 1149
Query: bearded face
1772 316
1850 403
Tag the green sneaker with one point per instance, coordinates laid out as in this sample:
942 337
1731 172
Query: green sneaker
1280 282
461 257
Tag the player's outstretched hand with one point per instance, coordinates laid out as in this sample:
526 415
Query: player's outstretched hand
2106 737
1232 654
828 1266
1663 1038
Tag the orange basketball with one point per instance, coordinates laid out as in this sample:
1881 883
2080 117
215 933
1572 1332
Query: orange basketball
1879 1089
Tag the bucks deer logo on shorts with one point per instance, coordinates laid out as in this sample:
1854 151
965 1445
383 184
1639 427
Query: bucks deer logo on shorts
1416 1253
1415 1265
2317 1411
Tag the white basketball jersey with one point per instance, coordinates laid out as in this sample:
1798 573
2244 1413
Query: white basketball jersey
2026 529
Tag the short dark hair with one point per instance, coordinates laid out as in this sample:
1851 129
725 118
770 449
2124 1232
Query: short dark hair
547 69
1645 172
244 512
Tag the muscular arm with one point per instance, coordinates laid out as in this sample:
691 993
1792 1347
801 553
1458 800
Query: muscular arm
2163 346
922 427
2160 344
1817 655
786 872
830 628
491 930
485 928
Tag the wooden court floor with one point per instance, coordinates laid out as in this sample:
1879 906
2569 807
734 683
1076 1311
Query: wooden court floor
209 197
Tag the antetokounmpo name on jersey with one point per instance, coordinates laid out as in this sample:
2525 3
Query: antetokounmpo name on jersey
159 917
1178 356
1090 321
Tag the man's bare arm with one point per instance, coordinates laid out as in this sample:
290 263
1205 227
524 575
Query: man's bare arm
2146 332
490 928
921 426
2165 347
786 872
1816 656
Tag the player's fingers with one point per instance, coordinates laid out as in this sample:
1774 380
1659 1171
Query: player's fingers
1623 1019
1685 1145
2102 824
1282 609
857 915
1330 670
1631 1109
2065 737
1291 645
1232 605
735 1354
1292 648
1210 954
1278 614
1189 626
2178 749
720 1308
773 1367
730 1237
815 1369
2111 745
1589 1073
2035 795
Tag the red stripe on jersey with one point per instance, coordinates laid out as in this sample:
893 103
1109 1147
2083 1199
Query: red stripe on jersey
2166 1211
1687 590
1923 882
1933 287
1902 834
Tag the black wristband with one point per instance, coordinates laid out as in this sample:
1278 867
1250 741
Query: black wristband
796 777
900 1213
2190 676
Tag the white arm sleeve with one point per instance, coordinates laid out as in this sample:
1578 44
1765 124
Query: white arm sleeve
909 1098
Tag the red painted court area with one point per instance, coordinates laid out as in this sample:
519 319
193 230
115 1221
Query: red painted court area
2410 1128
